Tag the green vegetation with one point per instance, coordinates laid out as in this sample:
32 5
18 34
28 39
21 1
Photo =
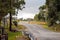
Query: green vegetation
53 11
53 28
12 35
50 13
21 27
10 6
42 14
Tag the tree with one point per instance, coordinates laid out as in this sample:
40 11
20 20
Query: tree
41 15
3 9
53 11
17 6
9 6
36 17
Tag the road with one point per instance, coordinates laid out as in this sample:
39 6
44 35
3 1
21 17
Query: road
40 33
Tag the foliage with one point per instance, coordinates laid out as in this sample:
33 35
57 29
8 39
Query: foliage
53 11
42 7
7 6
10 6
36 17
41 15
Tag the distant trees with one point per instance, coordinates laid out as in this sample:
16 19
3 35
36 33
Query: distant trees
49 12
41 15
36 17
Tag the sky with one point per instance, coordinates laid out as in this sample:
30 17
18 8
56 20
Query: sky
31 8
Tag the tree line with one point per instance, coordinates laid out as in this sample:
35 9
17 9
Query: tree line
50 12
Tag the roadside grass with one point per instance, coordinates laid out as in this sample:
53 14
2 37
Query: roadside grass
37 22
21 27
49 28
55 28
12 35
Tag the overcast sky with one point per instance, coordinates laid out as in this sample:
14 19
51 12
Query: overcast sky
31 8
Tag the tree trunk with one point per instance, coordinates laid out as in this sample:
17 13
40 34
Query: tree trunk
0 22
4 22
10 28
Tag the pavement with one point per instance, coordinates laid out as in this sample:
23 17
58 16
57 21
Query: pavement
39 33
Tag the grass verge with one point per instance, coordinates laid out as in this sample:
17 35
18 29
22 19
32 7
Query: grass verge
21 27
12 35
55 28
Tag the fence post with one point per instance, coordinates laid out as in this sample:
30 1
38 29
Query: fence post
0 36
6 36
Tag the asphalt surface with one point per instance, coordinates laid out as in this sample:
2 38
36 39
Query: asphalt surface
39 33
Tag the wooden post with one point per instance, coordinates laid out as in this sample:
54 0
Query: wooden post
0 36
6 36
2 30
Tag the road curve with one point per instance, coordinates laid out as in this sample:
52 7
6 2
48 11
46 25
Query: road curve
40 33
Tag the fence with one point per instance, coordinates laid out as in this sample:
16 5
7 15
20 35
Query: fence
4 37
